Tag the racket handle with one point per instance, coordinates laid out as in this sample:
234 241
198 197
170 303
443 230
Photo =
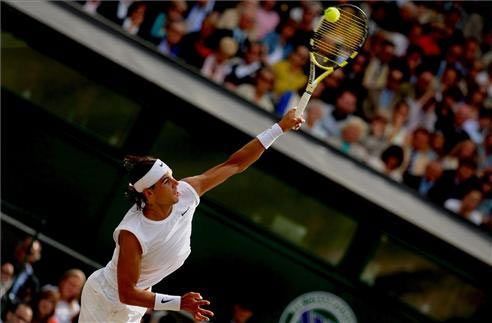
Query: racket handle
302 104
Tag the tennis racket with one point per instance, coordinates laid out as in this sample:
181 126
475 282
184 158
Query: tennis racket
336 41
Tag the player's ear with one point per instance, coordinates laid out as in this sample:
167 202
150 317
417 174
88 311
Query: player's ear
148 192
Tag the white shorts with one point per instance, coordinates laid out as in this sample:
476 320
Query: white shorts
100 303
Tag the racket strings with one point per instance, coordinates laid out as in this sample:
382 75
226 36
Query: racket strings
340 32
335 42
332 51
342 28
336 48
362 21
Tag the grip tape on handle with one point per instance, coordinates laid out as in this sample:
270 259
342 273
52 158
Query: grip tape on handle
302 103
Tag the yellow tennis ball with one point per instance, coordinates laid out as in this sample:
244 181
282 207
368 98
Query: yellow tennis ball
332 14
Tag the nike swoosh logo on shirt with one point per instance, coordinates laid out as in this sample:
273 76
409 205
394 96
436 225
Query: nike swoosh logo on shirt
185 211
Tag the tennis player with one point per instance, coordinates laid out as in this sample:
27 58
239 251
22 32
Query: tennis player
153 239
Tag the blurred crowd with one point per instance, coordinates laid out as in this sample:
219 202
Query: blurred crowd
416 104
24 300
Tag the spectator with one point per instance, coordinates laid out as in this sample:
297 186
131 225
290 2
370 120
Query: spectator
230 17
244 30
410 63
452 59
19 313
427 38
453 184
171 43
375 142
260 92
421 100
217 65
25 284
307 16
136 16
381 101
352 78
377 71
115 11
169 12
315 112
449 79
485 152
197 46
278 43
199 10
455 132
91 6
352 133
337 115
243 70
408 16
484 80
444 111
333 85
422 184
44 306
267 18
289 73
420 153
69 287
397 129
465 149
471 52
389 162
467 206
485 206
7 278
437 143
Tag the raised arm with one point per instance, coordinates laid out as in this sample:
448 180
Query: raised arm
244 157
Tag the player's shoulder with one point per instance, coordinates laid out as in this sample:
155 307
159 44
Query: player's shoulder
187 192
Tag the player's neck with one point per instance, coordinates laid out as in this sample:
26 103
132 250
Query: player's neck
157 212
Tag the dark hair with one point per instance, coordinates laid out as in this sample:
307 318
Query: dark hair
468 162
393 151
421 130
136 167
289 22
50 295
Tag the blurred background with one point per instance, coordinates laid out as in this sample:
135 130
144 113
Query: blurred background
384 198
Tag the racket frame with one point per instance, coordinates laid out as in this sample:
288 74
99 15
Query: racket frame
313 81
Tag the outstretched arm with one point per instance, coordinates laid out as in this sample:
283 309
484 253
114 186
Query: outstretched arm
241 159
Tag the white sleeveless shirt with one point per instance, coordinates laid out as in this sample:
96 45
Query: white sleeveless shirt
165 244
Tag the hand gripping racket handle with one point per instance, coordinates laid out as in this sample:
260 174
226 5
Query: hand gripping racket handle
302 103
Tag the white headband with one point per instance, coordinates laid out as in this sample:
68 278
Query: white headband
158 170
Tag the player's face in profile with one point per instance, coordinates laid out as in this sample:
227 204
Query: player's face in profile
166 190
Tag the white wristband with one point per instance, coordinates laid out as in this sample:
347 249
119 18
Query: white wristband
164 302
268 136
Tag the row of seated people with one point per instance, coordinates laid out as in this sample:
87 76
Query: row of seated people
25 300
416 104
